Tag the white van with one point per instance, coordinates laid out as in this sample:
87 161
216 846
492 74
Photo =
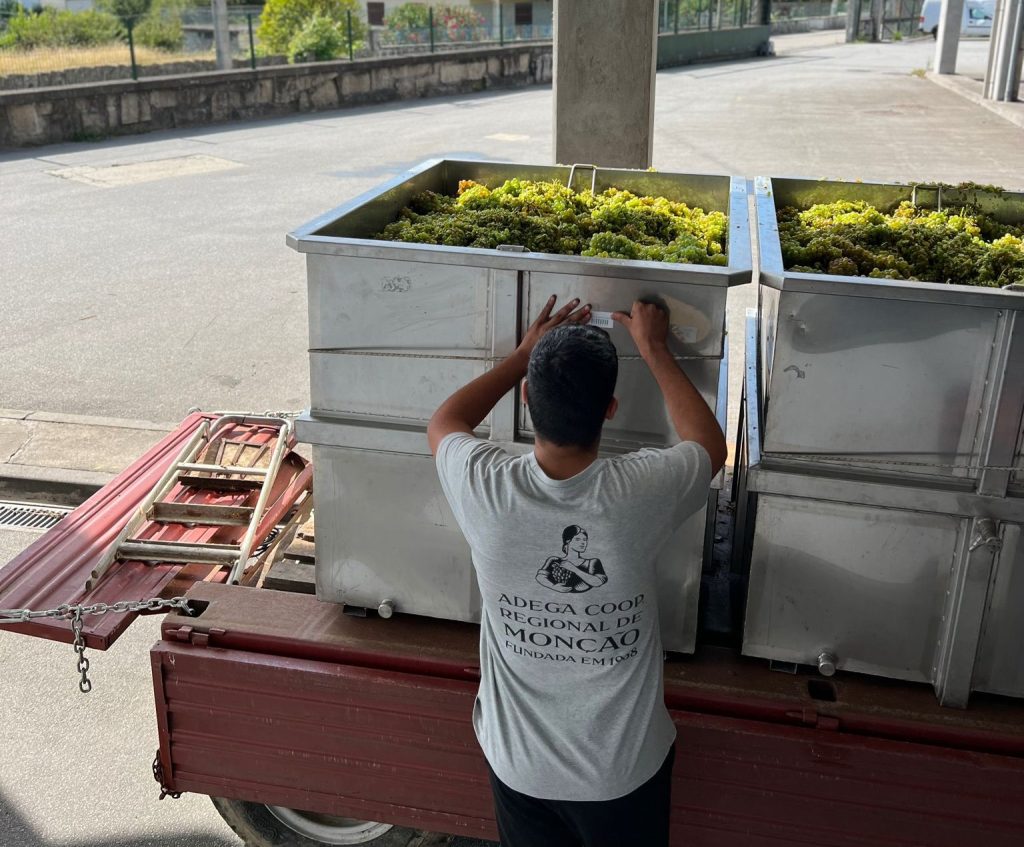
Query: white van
977 20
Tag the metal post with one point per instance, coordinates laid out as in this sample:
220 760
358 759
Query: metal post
675 22
1016 71
1002 79
348 23
501 26
430 17
252 43
131 48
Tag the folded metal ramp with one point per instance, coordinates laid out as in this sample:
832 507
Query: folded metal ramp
56 568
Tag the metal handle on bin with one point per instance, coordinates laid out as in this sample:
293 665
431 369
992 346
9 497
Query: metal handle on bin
593 176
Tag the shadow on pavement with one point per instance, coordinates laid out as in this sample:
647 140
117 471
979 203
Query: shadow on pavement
15 831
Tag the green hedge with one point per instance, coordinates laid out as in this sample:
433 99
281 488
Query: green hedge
51 28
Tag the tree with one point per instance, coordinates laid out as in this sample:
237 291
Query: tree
282 20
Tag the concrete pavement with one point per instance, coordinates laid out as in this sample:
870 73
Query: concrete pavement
47 457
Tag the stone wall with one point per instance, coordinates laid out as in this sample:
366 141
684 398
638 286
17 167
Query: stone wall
79 112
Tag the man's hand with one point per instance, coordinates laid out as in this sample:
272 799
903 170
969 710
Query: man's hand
647 324
693 420
467 407
546 322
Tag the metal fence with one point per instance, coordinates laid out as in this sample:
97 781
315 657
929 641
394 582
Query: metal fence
891 20
51 48
54 48
695 15
797 10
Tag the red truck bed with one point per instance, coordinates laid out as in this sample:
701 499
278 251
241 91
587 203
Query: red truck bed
277 698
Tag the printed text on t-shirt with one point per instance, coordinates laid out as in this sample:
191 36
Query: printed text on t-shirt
601 634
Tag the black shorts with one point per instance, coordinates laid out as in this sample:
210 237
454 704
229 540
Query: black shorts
639 819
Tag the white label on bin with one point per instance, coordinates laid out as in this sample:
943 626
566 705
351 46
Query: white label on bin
602 319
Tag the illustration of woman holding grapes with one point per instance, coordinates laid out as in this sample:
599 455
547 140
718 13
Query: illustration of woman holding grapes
571 572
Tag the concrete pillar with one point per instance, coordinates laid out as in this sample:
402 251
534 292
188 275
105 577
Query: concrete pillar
951 17
604 66
221 34
1006 51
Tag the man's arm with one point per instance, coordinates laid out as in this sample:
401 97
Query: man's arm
693 420
467 407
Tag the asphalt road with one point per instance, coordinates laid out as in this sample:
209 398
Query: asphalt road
138 299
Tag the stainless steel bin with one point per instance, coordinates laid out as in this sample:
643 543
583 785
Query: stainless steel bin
394 328
881 500
887 376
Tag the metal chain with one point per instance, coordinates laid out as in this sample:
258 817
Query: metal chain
84 684
158 775
75 614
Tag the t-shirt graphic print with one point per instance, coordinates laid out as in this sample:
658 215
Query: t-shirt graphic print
571 571
571 701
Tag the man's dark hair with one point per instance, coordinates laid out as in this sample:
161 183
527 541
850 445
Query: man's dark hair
570 382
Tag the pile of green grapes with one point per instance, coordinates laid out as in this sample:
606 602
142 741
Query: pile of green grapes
548 217
960 246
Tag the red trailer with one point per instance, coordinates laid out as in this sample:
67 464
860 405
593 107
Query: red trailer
298 718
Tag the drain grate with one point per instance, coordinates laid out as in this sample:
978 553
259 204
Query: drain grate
28 516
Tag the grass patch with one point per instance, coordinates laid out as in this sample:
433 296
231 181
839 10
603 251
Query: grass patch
47 59
919 73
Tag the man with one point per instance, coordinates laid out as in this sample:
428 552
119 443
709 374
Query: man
570 712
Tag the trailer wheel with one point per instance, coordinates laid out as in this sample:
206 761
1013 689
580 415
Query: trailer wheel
259 825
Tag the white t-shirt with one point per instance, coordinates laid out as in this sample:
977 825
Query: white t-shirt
571 702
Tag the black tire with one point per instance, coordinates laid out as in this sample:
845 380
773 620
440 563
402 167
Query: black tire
935 33
259 825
